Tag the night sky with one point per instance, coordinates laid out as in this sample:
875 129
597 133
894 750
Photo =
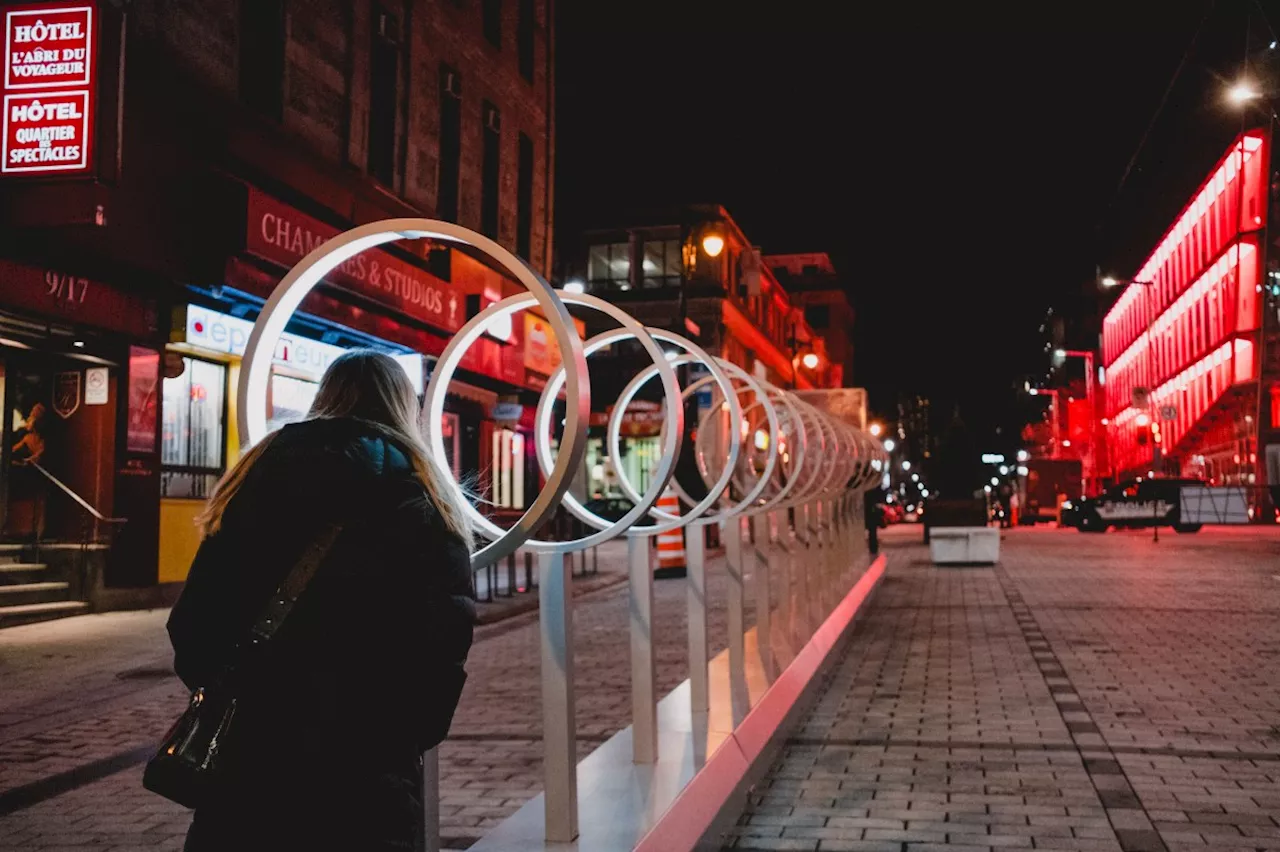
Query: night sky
961 168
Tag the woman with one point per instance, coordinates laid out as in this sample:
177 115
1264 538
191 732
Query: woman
365 673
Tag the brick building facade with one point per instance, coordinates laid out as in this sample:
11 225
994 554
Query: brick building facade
226 139
812 284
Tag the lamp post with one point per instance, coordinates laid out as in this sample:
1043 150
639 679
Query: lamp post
809 360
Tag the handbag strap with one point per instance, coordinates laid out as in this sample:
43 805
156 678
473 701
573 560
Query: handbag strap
294 584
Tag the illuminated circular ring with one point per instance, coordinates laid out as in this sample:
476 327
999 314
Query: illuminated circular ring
756 387
699 509
814 445
288 294
797 453
672 433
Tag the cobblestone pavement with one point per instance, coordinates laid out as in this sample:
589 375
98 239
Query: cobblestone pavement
83 700
1096 692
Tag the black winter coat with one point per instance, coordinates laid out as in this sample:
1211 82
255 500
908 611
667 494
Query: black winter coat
365 673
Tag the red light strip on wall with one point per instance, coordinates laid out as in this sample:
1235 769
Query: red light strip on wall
1193 294
1243 352
1212 189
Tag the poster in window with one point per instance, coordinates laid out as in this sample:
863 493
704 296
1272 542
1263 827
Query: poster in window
144 385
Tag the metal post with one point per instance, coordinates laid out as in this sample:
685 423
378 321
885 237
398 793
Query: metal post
800 559
736 616
559 737
818 558
644 704
695 555
764 597
431 800
780 557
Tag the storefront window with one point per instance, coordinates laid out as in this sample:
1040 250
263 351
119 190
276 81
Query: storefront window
290 400
449 430
508 469
639 459
194 434
144 371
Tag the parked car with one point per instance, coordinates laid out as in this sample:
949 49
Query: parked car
1131 504
891 513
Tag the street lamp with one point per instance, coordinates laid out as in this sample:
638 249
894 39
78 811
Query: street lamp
1243 92
889 444
810 360
713 244
875 429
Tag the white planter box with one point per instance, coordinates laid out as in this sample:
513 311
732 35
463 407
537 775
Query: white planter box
957 545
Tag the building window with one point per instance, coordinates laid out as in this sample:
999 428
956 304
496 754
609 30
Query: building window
491 11
450 431
384 73
450 143
818 316
262 56
508 469
524 39
192 448
661 263
489 170
609 265
524 199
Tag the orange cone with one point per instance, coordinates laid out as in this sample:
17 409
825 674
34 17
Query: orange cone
670 544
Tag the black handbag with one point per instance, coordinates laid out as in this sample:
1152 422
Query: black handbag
186 765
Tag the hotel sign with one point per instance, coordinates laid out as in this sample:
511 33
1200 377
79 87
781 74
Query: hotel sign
49 96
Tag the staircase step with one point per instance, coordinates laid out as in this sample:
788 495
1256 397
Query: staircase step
10 553
11 616
12 573
34 593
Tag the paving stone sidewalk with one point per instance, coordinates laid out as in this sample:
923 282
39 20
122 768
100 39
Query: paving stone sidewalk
1095 692
83 700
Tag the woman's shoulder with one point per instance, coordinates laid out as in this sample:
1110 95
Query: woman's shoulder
345 442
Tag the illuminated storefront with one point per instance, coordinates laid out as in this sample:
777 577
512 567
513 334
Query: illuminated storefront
1182 345
198 439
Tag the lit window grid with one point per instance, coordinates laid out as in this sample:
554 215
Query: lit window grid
1192 392
1201 232
1214 308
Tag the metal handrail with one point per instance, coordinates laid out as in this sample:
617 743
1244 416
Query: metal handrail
85 504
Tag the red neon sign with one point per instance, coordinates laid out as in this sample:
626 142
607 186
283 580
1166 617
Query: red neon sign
49 71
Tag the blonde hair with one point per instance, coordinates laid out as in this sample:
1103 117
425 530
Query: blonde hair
373 388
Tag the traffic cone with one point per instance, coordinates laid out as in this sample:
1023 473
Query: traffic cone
670 544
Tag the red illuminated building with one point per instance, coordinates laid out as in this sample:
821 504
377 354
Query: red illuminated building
1195 328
